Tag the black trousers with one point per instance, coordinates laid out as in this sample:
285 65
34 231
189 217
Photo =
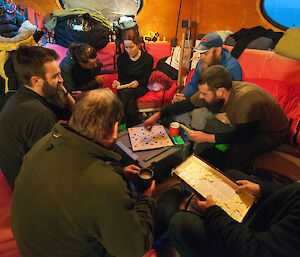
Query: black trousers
128 97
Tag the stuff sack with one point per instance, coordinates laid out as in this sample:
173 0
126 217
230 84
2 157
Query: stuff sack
119 29
166 68
10 19
33 16
81 30
288 45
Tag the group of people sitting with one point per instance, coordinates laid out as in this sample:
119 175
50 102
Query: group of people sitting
71 192
81 71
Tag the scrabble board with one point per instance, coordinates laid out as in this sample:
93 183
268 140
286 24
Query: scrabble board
142 139
205 179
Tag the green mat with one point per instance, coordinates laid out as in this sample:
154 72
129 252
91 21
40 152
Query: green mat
122 127
221 147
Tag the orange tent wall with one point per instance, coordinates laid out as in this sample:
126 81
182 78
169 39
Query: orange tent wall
161 15
41 6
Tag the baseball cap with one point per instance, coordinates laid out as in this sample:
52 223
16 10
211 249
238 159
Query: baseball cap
208 41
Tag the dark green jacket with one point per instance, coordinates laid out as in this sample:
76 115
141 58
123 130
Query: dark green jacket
69 201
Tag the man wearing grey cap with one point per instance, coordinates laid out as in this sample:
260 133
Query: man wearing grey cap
211 53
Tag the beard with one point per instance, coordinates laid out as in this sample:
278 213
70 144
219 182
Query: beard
54 95
204 65
216 105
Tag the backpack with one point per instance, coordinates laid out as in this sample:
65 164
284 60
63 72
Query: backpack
118 30
83 29
10 19
167 69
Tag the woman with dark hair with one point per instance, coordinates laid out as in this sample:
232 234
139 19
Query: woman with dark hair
134 69
80 69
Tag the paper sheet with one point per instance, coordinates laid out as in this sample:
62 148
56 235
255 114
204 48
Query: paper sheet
205 180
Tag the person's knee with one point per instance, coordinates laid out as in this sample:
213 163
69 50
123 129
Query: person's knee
184 223
188 234
203 112
177 223
239 157
200 116
184 118
214 125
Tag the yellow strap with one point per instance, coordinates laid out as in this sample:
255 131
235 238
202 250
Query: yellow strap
3 58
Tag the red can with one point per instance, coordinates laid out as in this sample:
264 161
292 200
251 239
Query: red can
174 129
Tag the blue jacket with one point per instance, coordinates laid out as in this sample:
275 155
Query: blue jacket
229 62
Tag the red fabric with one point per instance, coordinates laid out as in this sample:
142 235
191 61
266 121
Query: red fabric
106 54
151 253
154 96
161 78
288 96
189 76
267 64
108 80
276 88
158 50
151 96
33 16
8 246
